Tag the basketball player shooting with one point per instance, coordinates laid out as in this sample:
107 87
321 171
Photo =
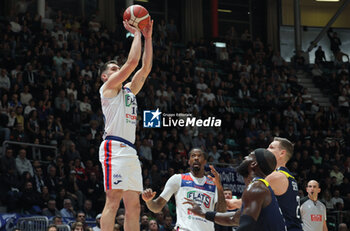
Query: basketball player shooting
117 154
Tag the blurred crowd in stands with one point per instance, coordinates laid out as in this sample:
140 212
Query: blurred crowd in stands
49 90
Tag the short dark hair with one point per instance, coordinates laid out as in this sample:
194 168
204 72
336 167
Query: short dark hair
202 152
105 66
286 145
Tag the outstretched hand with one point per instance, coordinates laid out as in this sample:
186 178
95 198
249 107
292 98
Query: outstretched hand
216 176
148 194
196 208
147 31
131 29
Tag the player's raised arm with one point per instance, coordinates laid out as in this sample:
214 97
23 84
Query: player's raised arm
117 78
221 203
140 77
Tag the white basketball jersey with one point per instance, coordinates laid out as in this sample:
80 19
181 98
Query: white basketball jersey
202 190
119 114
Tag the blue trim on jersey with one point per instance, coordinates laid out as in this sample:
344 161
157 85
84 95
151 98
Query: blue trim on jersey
117 138
191 183
108 164
127 89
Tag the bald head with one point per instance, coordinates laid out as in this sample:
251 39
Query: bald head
313 189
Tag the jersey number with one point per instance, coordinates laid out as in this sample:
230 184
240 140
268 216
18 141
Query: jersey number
298 207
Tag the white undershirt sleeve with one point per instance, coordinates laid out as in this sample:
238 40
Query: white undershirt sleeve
171 187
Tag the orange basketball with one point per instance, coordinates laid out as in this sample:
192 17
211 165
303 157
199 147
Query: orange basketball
137 16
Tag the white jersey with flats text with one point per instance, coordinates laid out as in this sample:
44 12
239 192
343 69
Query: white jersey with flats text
119 114
202 190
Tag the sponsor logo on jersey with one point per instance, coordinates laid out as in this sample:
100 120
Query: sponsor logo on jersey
200 197
117 175
130 99
117 182
133 117
316 217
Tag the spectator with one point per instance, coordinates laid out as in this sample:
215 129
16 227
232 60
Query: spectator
7 161
88 209
57 220
153 225
342 227
120 219
81 217
51 210
320 56
335 41
117 227
144 223
98 225
337 174
337 201
5 83
23 164
30 200
77 226
68 210
52 227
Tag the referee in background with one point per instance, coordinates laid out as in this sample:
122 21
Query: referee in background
313 211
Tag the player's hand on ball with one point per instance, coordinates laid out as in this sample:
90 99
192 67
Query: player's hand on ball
147 31
148 194
196 208
131 29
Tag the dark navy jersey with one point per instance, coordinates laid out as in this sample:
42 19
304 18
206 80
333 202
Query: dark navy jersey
289 202
270 217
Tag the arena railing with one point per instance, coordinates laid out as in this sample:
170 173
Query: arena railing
6 143
37 223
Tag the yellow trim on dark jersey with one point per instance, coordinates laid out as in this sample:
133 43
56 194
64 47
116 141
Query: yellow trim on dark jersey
265 182
286 173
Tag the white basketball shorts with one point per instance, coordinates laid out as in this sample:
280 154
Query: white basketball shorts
121 166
